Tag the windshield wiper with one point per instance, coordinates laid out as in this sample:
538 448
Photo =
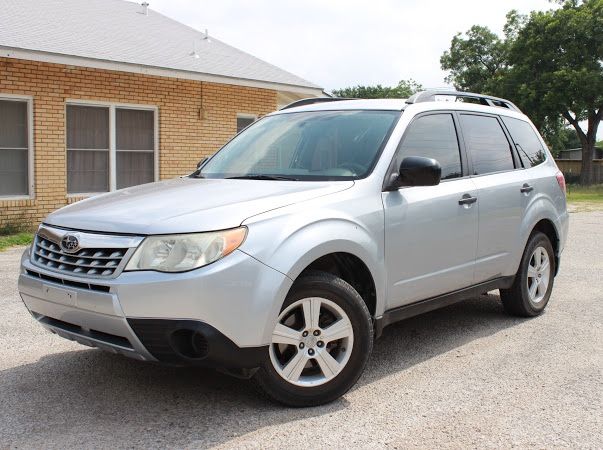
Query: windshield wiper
262 177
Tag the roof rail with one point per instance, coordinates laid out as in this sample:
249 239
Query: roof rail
312 100
487 100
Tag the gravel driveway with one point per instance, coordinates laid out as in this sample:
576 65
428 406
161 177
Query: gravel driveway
464 376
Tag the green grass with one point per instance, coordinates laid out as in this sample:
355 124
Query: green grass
581 194
10 240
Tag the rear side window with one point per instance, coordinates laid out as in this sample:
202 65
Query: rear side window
526 141
487 144
433 136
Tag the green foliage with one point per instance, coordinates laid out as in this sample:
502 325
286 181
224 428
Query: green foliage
556 62
563 139
549 63
404 89
11 240
590 194
477 60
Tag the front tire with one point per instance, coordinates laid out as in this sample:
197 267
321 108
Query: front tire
320 345
533 283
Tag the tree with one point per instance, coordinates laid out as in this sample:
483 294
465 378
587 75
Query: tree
477 60
549 63
404 89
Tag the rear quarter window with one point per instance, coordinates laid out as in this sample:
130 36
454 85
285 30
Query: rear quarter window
527 143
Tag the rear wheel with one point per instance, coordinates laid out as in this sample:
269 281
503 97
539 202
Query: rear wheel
533 283
320 343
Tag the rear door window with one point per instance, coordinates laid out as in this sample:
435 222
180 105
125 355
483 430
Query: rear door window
528 145
487 144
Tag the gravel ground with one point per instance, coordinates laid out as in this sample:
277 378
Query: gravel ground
464 376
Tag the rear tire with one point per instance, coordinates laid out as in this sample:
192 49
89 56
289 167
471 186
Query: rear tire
321 343
531 290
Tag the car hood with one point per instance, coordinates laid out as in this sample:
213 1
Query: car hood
184 205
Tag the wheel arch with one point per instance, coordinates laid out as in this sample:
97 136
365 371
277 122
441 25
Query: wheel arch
352 270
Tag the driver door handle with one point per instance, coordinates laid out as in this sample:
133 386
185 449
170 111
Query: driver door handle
467 199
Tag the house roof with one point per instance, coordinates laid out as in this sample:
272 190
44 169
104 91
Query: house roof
99 33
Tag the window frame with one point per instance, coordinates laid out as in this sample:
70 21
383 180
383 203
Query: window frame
461 144
31 185
516 161
254 117
113 106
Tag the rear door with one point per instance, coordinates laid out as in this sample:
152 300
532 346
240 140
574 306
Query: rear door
430 238
501 202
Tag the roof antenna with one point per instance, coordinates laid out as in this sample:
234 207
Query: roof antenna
145 8
206 37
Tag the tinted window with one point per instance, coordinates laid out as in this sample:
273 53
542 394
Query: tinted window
526 141
433 136
486 142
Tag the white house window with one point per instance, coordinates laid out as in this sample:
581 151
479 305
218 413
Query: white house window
109 147
87 149
16 159
135 145
244 120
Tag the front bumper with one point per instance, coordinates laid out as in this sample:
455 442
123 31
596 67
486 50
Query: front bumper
218 316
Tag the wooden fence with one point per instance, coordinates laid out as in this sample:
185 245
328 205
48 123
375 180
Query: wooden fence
571 169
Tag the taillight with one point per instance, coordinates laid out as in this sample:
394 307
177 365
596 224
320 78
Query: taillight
561 181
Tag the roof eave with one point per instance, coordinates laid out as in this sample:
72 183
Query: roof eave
58 58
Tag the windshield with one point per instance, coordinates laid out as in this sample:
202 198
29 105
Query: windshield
318 145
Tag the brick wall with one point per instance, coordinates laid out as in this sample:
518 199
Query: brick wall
185 134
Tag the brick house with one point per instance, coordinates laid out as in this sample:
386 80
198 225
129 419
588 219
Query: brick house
104 94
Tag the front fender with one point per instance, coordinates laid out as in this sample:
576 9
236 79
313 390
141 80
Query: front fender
290 243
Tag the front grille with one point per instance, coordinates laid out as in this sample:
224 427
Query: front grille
70 283
87 261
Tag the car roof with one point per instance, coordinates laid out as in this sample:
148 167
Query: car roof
393 104
400 105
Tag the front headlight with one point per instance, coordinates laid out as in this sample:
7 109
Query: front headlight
182 252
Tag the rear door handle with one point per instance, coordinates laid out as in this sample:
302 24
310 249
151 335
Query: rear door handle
467 199
526 188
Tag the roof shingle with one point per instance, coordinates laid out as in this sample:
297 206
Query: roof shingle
118 31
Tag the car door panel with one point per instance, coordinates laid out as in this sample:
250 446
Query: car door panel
501 202
430 240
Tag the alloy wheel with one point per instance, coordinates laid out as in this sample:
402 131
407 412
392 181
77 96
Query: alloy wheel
539 273
312 342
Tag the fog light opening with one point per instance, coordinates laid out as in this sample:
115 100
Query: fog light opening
189 343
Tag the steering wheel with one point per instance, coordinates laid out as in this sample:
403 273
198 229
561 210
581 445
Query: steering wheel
353 167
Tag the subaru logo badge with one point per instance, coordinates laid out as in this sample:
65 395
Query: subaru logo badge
70 243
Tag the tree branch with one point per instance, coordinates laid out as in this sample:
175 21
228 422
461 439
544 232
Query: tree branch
574 122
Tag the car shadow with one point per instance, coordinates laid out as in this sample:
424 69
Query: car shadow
90 395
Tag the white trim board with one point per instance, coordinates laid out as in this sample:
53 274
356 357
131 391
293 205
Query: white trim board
56 58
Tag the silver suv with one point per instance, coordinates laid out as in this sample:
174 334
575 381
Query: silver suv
284 255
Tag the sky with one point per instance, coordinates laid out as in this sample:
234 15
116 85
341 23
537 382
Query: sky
341 43
337 43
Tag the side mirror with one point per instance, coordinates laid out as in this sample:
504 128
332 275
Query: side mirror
416 171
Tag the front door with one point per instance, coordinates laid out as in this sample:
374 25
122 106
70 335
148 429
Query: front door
431 231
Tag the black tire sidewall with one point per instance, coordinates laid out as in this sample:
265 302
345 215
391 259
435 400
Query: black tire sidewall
537 240
341 293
